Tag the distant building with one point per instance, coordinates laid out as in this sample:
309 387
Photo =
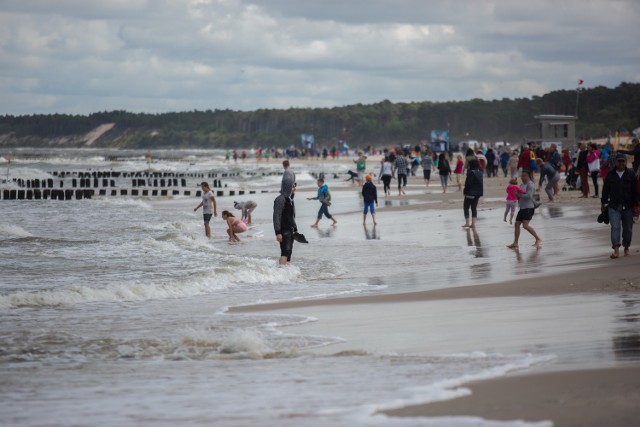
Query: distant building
557 129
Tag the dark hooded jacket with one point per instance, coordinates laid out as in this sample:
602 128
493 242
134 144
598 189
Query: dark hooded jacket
284 212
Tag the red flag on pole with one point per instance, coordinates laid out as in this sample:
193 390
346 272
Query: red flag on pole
580 82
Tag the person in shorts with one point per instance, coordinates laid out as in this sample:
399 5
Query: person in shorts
209 207
526 211
246 207
369 196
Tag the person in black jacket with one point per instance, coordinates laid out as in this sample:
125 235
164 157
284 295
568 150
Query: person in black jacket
619 195
473 190
369 196
583 168
284 220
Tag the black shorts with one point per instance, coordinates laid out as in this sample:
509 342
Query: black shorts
286 246
427 174
525 214
207 218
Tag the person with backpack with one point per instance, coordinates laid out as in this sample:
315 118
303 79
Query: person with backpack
324 197
473 190
444 170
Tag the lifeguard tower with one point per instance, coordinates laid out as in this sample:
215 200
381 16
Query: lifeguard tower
556 129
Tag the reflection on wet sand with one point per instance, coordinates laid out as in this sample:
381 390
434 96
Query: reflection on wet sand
326 233
532 263
626 341
371 234
555 211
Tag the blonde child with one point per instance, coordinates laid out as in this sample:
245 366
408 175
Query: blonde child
512 199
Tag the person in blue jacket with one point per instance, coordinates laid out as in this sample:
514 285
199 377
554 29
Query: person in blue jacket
324 196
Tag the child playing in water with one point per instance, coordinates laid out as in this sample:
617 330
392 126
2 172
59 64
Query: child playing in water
370 196
236 226
512 190
325 201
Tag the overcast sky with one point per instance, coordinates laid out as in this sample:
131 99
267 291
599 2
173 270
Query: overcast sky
83 56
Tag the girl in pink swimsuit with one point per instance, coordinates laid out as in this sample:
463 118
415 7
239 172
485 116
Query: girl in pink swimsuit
236 226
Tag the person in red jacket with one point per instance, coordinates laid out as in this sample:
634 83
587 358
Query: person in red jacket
524 161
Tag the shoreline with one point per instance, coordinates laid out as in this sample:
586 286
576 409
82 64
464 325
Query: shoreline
609 277
586 398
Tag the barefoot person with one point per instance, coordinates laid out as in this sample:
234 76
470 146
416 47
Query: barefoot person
324 197
246 207
209 207
369 196
473 190
236 226
284 220
619 195
525 213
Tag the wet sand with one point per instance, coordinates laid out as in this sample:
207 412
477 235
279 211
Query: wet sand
605 391
584 398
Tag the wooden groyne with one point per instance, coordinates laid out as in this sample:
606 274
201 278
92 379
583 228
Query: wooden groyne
78 185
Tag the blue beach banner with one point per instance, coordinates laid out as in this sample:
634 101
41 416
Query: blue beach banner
439 140
307 139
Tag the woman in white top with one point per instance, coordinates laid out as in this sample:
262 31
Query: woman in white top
386 172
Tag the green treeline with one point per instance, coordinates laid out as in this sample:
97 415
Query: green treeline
600 110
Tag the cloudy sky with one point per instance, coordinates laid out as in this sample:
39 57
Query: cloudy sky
82 56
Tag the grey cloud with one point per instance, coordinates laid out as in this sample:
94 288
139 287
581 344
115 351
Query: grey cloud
78 56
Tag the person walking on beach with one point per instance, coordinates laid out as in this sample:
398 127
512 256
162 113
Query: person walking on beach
512 199
619 197
458 171
513 164
468 156
473 190
247 208
400 170
235 226
284 220
427 164
386 173
369 196
361 167
288 174
583 168
593 164
444 170
526 211
324 196
209 207
548 171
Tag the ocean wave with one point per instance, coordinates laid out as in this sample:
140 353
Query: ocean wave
207 282
14 230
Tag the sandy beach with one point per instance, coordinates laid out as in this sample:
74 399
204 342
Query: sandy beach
593 391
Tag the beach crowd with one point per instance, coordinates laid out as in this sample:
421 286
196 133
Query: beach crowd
613 178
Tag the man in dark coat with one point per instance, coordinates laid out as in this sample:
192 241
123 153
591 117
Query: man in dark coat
619 195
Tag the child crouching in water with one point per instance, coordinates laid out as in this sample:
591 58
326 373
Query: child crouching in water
236 226
512 199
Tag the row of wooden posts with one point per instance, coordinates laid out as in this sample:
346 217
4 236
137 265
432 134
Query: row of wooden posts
79 194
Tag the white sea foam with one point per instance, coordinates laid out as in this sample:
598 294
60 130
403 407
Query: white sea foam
219 278
14 230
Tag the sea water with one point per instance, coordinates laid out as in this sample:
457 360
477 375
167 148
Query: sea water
113 310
